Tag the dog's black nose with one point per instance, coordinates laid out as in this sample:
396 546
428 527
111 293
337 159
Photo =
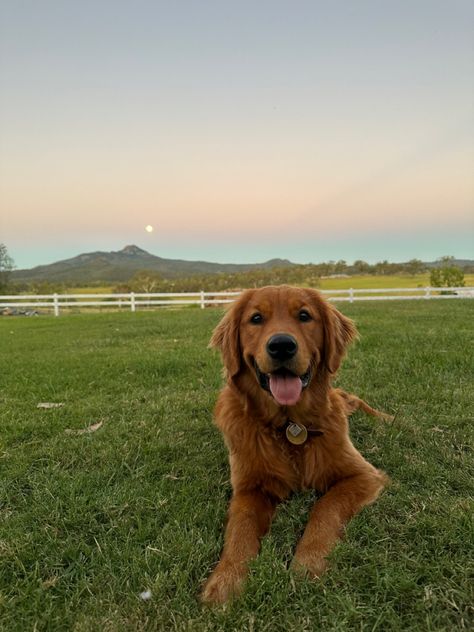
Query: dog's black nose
282 347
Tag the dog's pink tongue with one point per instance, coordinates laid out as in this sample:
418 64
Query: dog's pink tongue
285 389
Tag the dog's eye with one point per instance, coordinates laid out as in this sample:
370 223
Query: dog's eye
304 316
256 319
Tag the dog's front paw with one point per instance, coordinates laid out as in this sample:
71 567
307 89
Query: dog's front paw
309 563
226 581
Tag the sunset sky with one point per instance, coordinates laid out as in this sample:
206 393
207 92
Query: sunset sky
239 130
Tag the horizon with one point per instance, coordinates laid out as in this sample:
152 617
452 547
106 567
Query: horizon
348 262
426 247
237 133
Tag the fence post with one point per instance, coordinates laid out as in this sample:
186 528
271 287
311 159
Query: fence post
132 301
351 295
202 299
56 304
427 292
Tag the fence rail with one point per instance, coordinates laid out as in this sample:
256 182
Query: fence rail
56 302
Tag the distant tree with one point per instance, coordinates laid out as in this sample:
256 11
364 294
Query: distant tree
382 267
414 266
361 267
447 274
19 287
446 260
454 277
6 266
436 278
340 267
146 281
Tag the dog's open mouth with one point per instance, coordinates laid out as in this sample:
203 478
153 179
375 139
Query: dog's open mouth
284 385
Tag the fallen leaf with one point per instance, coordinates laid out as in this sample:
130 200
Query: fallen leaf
50 405
82 431
48 583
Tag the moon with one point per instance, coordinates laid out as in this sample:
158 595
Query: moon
149 229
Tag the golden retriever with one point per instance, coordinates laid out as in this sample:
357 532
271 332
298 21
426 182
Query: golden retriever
286 427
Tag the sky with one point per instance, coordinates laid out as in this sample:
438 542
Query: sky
240 131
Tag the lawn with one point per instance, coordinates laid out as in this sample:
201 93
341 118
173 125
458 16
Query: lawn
371 281
89 521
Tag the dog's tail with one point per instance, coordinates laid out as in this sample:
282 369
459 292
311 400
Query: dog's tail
353 403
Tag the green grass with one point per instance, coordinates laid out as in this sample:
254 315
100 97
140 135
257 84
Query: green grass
88 521
366 281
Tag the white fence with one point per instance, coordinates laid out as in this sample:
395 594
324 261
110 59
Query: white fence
133 301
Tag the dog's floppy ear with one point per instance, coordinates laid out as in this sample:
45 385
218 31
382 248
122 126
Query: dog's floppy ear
225 336
339 332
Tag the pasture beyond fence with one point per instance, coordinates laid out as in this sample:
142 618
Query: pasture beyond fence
133 301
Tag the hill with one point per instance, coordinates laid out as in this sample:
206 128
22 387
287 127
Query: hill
121 265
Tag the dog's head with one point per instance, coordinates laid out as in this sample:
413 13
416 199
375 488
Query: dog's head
284 336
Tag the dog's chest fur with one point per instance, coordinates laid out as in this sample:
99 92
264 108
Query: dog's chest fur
273 464
261 457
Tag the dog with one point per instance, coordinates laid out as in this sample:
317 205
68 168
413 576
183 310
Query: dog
286 427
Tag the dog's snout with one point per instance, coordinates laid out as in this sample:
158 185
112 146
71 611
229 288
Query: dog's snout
282 347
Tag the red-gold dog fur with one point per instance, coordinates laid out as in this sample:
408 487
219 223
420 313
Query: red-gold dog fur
265 467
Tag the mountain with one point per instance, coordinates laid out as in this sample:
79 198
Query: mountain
459 263
122 265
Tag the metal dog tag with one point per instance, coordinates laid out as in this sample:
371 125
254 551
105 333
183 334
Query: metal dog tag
296 433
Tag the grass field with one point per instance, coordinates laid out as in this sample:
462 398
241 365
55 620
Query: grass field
364 282
357 282
88 521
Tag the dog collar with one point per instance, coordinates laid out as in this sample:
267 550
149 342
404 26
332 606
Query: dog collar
297 433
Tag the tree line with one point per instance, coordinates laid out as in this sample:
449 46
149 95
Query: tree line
445 274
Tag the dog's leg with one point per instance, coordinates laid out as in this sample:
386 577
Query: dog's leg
249 518
329 516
